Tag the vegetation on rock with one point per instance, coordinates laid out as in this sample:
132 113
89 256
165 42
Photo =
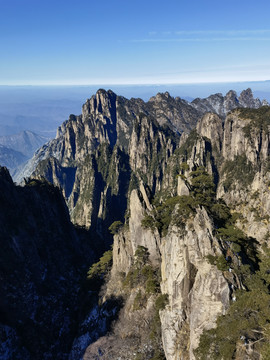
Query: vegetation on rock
247 322
115 227
146 279
143 273
178 209
239 170
101 268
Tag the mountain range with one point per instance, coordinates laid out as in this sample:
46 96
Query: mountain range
181 190
16 149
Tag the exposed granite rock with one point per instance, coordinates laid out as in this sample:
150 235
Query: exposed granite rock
210 126
127 242
245 187
182 187
247 100
176 113
223 105
109 118
198 292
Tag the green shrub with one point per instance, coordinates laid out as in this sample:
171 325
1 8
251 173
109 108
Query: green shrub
141 255
221 213
161 302
222 264
151 286
211 259
139 301
148 222
202 194
260 119
141 271
132 279
186 207
248 316
240 170
162 215
238 241
219 261
102 267
184 166
158 355
115 227
147 271
203 187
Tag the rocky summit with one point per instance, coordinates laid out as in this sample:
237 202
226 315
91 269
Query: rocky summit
141 232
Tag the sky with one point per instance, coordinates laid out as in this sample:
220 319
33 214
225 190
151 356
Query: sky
64 42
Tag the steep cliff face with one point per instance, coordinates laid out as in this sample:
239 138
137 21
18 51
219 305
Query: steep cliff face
98 156
221 105
176 113
244 171
134 136
240 160
189 215
42 262
198 292
195 236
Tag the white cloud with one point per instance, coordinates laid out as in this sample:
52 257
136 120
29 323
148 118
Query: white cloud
208 39
223 32
206 36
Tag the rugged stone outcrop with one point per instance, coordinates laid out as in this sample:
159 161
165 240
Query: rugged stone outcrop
221 105
198 292
134 137
108 118
127 242
210 126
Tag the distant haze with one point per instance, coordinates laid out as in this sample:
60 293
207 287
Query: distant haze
43 108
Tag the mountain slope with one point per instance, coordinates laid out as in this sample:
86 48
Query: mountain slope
43 261
112 121
11 158
213 254
16 149
25 142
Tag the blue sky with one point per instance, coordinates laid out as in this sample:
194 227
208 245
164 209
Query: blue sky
133 42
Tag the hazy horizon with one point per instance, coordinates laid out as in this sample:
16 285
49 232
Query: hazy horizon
42 109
